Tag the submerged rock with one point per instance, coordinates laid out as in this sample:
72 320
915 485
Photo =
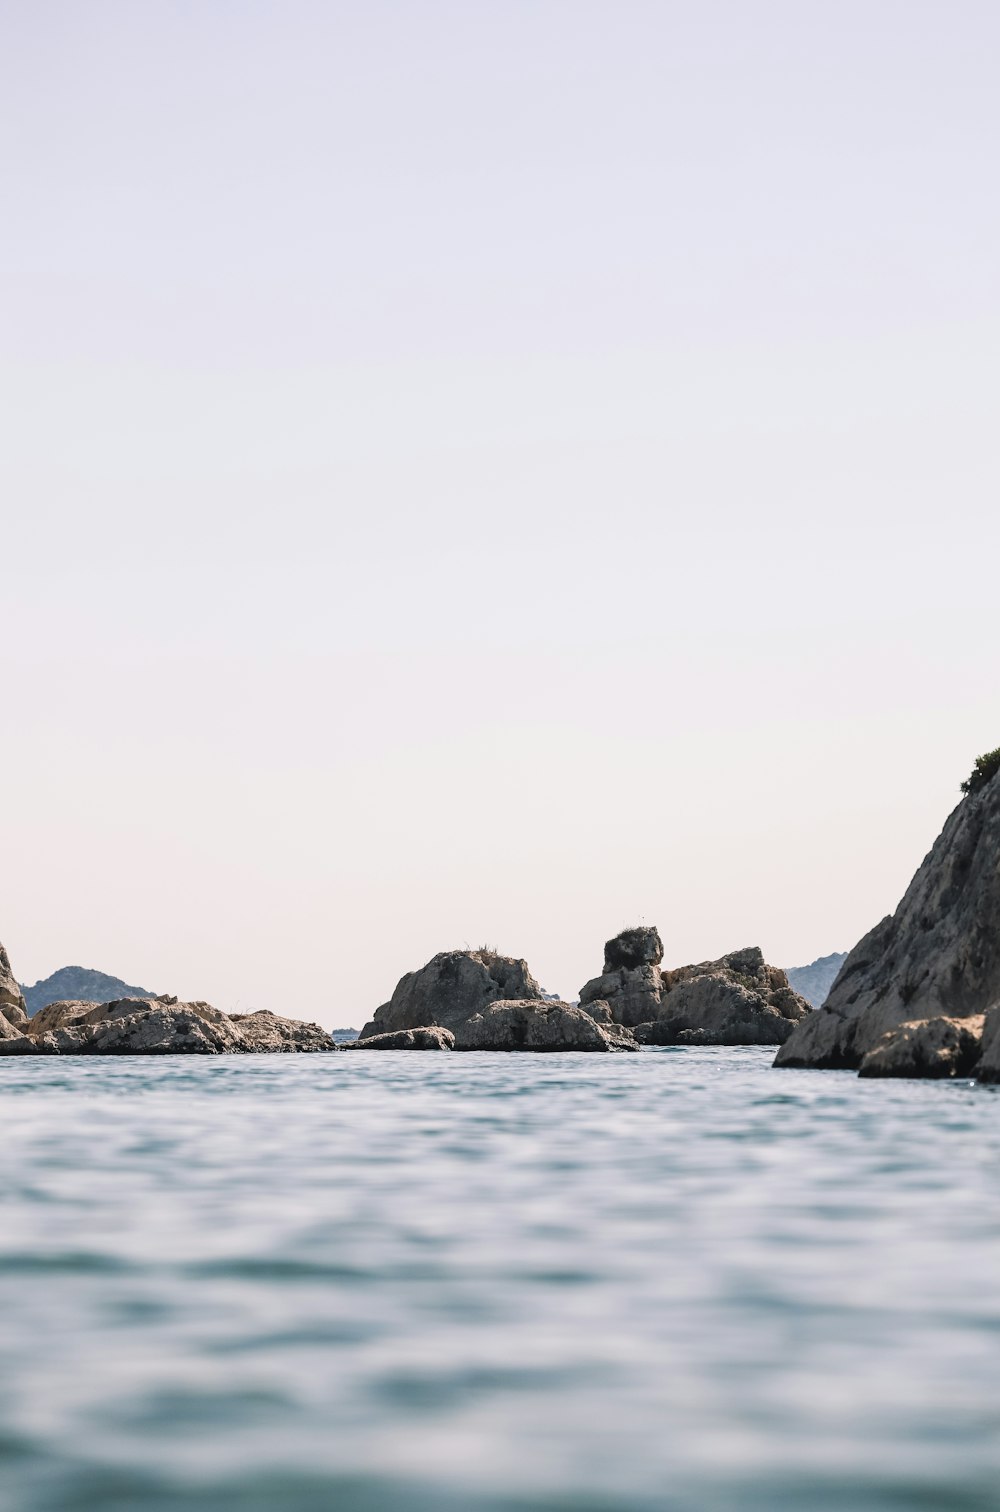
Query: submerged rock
429 1037
534 1026
936 957
451 988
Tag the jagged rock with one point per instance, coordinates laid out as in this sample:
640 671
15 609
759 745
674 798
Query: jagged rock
451 988
988 1069
26 1044
937 956
631 981
154 1031
634 948
538 1026
430 1037
935 1047
599 1011
738 1000
162 1026
264 1032
12 1007
64 1015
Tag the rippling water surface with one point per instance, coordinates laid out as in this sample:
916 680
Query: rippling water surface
467 1283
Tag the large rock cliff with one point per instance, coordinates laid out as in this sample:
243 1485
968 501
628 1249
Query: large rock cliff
936 957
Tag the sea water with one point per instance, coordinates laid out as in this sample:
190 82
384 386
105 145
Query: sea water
375 1282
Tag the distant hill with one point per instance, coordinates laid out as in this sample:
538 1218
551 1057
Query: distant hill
77 984
815 980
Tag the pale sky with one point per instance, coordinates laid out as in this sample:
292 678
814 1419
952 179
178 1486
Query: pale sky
488 473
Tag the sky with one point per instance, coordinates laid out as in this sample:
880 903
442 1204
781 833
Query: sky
487 473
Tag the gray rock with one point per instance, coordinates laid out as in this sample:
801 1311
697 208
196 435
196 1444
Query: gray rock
12 1009
430 1037
937 956
630 982
153 1031
988 1069
633 948
162 1026
738 1000
934 1047
632 993
26 1044
267 1033
451 988
538 1026
64 1015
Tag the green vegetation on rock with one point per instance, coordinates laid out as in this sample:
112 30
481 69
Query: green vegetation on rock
984 771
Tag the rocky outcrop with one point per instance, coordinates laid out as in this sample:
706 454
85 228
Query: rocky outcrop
936 957
631 982
451 988
266 1033
12 1009
430 1037
159 1026
535 1026
813 982
738 1000
988 1067
80 984
934 1047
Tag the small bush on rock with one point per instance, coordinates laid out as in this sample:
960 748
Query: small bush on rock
985 769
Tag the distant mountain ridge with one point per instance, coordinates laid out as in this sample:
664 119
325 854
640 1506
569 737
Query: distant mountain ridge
72 984
814 981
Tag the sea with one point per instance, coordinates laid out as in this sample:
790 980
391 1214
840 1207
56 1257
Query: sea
679 1281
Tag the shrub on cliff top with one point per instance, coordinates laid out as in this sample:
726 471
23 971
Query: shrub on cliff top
986 767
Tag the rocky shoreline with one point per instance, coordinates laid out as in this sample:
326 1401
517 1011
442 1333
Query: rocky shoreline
461 1000
919 996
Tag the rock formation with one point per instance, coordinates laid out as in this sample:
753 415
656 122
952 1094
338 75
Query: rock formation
738 1000
451 988
536 1026
937 957
157 1026
429 1038
631 982
82 985
934 1047
12 1009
